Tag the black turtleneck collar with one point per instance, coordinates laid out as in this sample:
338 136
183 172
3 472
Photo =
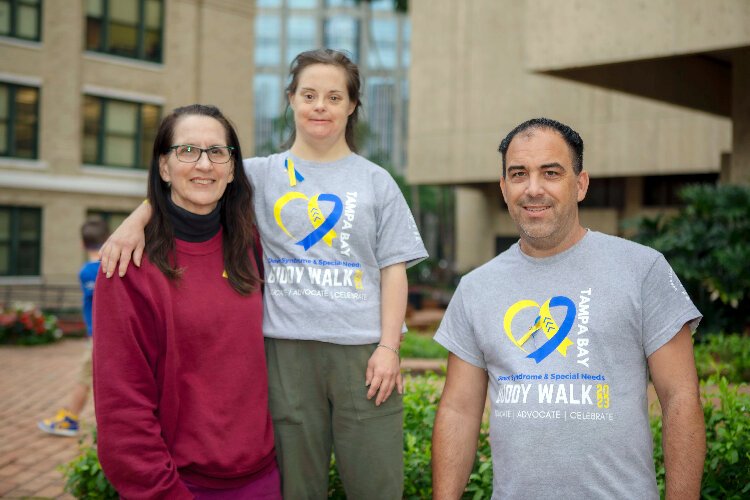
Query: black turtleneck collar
193 228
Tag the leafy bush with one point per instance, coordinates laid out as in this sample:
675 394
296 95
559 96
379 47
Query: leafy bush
421 345
707 245
26 325
420 404
724 355
84 477
726 474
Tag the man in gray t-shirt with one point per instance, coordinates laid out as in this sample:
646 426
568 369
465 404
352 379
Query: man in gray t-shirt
564 329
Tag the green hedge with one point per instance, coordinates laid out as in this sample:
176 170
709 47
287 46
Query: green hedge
724 355
706 243
726 474
421 345
84 477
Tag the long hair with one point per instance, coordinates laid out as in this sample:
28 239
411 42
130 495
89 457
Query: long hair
237 214
353 85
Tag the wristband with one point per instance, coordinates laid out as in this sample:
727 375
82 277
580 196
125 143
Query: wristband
389 348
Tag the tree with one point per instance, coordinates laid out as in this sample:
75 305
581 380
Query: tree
707 244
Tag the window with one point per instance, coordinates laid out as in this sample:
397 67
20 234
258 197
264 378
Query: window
21 19
20 241
118 133
301 34
113 219
383 53
19 119
302 4
341 3
606 192
267 49
379 107
269 124
128 28
664 190
342 33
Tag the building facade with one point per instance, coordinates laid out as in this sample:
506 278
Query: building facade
658 90
83 86
375 36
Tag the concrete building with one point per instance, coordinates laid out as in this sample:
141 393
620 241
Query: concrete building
83 85
660 92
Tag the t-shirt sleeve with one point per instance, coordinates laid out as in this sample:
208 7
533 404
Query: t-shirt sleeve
398 238
666 306
456 332
254 170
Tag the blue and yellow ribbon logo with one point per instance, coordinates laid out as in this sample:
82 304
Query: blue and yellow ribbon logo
557 334
294 176
323 226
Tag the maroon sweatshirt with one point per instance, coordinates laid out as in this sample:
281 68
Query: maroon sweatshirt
180 381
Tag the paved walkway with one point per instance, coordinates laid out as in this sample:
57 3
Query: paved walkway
34 383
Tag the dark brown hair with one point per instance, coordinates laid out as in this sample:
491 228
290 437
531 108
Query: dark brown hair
570 136
94 232
353 84
237 215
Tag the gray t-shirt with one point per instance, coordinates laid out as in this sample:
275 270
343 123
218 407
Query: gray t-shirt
327 230
565 342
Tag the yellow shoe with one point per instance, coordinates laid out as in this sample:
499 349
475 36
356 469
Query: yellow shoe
62 424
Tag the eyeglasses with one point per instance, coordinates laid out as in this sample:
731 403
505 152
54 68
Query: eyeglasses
187 153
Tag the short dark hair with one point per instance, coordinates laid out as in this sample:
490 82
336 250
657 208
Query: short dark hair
94 232
571 137
237 214
353 84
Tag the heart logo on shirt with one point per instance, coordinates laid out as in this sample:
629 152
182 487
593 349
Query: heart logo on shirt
322 225
557 334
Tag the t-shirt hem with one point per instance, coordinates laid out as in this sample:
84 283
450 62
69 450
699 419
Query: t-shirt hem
356 339
673 329
410 259
442 338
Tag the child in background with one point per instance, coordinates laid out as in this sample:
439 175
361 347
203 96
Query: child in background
94 233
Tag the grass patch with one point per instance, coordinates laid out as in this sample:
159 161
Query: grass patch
421 345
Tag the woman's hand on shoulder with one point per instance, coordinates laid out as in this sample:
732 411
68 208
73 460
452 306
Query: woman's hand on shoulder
127 242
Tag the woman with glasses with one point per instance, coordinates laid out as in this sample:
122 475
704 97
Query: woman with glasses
337 236
180 377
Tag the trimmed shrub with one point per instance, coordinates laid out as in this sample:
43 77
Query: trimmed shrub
421 345
706 243
84 477
724 355
726 474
